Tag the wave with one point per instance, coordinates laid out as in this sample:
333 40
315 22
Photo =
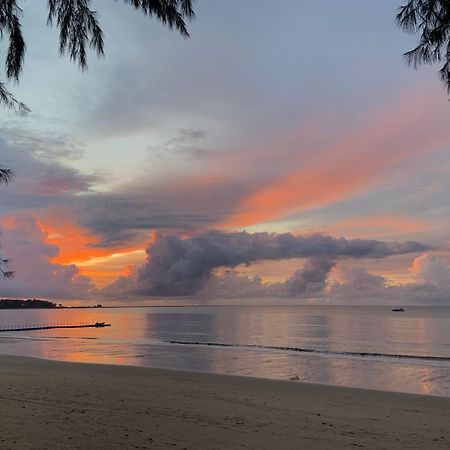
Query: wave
316 351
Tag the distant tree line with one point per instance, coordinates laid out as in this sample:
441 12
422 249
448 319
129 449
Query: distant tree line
7 303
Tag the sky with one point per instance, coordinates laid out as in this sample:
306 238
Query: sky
279 152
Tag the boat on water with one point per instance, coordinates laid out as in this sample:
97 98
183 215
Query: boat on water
398 310
101 324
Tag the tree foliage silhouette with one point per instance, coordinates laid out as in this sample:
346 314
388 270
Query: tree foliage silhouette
430 18
79 30
5 175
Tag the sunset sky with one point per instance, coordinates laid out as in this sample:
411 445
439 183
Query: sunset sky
290 123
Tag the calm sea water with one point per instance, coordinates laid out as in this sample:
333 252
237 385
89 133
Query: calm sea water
369 347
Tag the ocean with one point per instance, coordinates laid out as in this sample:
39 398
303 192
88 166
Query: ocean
356 346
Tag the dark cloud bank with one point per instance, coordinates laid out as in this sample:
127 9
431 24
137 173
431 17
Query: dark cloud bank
177 267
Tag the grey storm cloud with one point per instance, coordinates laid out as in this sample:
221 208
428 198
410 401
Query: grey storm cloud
120 219
177 266
311 278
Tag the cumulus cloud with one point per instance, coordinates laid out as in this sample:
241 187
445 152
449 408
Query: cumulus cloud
311 278
177 266
357 283
432 270
121 219
432 285
355 286
307 282
232 284
31 258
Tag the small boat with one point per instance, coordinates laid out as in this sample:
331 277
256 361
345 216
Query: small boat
398 310
101 324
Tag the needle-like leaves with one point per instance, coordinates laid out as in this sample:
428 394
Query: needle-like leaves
430 19
79 30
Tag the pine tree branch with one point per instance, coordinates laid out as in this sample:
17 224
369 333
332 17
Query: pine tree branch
431 20
5 175
78 29
10 101
170 12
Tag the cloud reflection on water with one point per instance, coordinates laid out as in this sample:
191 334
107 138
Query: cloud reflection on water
139 336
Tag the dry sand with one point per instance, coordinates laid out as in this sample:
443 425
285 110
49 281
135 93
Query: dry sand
56 405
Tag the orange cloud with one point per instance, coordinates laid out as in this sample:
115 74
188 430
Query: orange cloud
412 128
77 246
73 241
106 269
383 226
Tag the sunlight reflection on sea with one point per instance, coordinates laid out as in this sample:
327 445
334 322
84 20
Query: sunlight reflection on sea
368 347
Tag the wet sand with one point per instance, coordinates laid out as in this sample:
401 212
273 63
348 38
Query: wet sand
57 405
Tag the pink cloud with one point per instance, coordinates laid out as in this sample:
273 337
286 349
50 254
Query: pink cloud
31 256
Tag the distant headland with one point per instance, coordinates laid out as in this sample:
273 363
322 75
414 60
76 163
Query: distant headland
36 303
31 303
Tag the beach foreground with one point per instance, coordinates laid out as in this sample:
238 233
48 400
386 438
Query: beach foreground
56 405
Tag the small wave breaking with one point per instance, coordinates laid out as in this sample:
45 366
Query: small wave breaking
317 351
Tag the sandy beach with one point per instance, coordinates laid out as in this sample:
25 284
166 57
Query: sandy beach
57 405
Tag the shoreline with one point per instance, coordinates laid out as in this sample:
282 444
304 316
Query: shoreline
233 375
193 373
98 406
